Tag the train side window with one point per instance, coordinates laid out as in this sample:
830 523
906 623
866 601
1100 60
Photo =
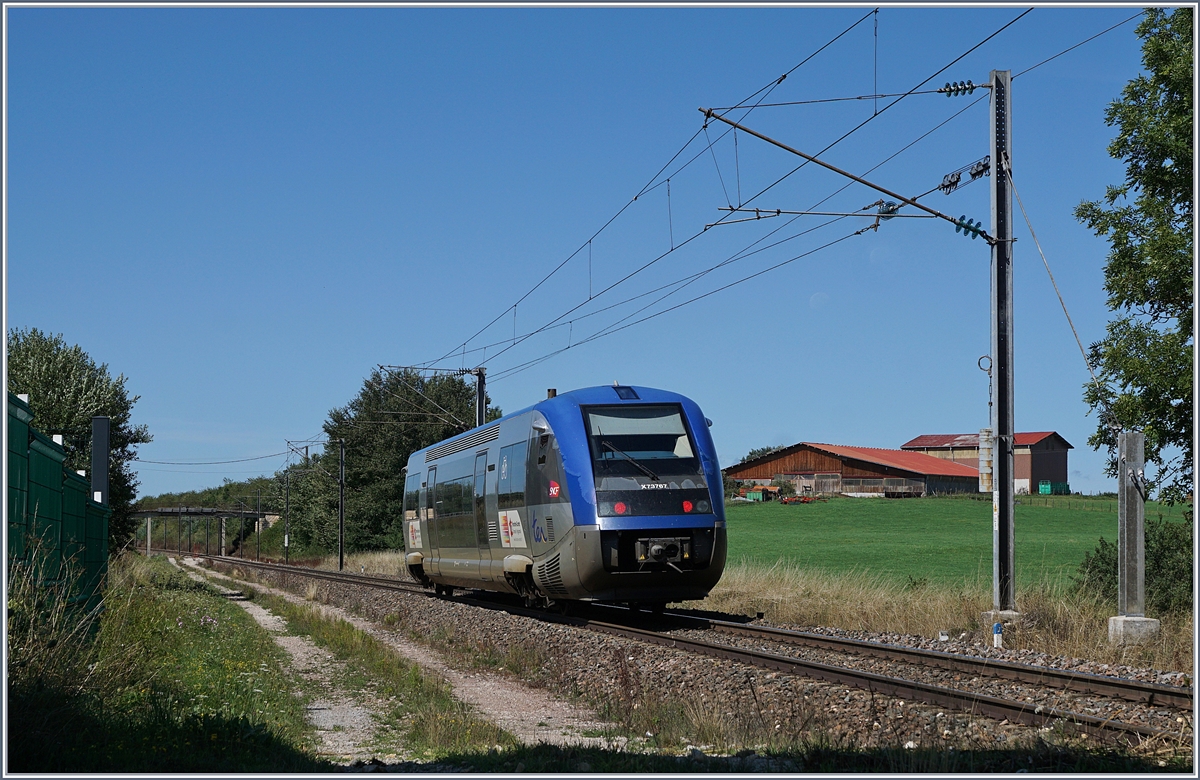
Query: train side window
516 468
505 476
412 494
430 484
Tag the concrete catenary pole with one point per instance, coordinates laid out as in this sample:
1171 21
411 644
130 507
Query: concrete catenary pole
341 504
1003 596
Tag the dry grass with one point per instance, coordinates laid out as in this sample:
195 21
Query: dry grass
386 563
1051 622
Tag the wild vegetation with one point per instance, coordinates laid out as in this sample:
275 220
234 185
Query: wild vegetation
1144 362
66 389
393 414
170 677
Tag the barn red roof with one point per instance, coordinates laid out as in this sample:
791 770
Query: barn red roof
972 440
916 462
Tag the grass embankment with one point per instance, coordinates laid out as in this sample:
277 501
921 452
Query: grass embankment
918 566
940 540
171 677
422 718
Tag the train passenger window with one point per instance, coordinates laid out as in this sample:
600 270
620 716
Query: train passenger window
511 487
505 476
412 493
431 484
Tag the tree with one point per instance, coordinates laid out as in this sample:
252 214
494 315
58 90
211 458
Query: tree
758 452
394 414
66 389
786 486
1144 362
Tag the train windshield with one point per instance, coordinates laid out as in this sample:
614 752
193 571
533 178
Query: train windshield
639 446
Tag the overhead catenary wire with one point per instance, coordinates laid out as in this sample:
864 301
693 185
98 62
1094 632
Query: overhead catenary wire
1046 263
609 332
650 185
747 251
683 282
207 462
871 118
1076 46
719 116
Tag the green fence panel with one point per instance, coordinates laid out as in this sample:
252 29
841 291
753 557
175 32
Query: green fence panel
45 499
53 508
74 542
95 554
19 418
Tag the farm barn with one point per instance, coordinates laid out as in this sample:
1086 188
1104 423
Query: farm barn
1038 457
858 471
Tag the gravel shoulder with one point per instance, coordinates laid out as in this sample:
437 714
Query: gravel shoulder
532 715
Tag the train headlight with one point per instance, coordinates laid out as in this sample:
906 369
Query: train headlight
703 506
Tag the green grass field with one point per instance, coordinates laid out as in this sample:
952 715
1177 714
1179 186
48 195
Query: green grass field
935 539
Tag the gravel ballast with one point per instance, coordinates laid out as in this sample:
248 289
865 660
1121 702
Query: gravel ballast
598 668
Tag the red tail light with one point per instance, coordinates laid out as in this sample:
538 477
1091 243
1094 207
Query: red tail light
620 508
687 506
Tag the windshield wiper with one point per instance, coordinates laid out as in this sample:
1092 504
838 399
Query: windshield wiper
628 457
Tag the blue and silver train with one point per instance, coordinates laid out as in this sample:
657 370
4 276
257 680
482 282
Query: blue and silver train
603 494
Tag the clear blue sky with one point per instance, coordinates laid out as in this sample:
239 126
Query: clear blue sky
246 209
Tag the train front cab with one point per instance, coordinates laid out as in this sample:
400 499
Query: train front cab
659 532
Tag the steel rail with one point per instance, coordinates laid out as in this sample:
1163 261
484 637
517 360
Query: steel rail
950 698
304 571
1083 682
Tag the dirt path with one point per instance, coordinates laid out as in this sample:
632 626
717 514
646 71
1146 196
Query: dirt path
530 714
344 726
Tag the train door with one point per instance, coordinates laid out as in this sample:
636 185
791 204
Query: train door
427 510
481 517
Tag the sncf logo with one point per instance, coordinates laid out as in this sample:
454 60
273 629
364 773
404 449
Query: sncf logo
554 489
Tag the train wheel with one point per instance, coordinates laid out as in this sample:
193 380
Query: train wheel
657 608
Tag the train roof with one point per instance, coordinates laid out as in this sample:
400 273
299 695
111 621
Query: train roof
603 394
554 407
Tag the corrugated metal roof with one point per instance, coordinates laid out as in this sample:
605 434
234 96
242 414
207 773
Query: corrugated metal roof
972 440
916 462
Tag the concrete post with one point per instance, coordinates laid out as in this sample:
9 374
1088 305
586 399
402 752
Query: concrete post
222 536
147 537
1131 626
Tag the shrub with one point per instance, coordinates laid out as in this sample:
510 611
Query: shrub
1169 568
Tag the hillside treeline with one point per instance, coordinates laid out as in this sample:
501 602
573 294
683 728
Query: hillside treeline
393 414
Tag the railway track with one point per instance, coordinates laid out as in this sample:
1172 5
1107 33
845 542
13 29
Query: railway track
1014 711
1093 684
